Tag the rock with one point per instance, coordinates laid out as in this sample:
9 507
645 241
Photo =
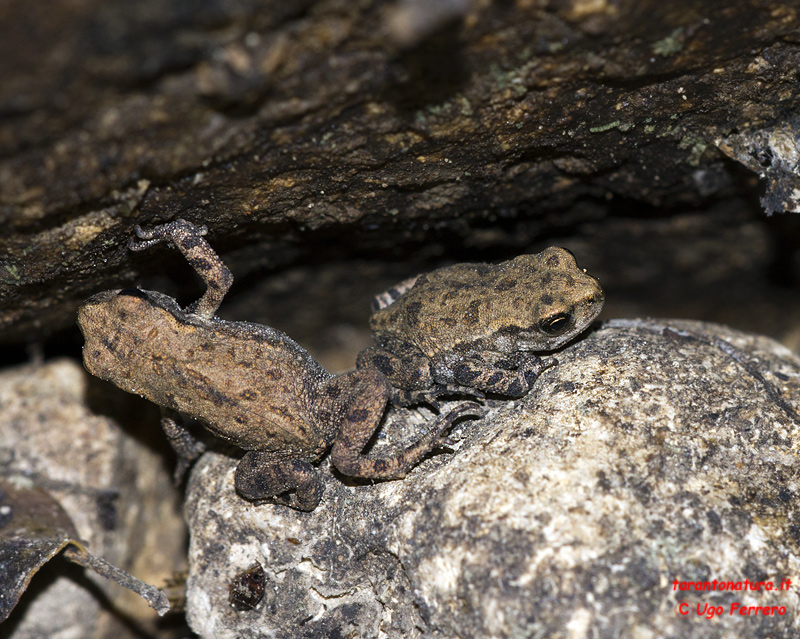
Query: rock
62 433
655 452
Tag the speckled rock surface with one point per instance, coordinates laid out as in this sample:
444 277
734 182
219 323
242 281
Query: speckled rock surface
655 451
62 430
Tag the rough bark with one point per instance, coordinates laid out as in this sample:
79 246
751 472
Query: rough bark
320 130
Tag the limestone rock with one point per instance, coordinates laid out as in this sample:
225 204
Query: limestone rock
655 452
61 433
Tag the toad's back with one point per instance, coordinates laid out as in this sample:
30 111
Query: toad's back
249 384
465 303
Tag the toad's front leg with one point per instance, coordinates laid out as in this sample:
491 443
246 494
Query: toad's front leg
365 393
408 371
509 375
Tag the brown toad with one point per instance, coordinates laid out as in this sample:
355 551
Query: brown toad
249 384
475 328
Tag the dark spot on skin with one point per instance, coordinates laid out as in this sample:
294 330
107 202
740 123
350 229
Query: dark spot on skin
383 364
547 280
324 416
473 313
498 376
546 299
358 415
483 270
206 346
190 240
283 411
201 264
248 394
333 391
515 389
381 465
506 364
238 420
110 346
464 374
505 285
247 588
197 378
219 397
272 375
412 313
553 260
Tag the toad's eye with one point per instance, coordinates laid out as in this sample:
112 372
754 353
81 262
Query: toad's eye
555 325
133 292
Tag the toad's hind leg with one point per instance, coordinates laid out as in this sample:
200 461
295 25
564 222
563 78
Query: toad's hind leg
368 392
188 239
272 477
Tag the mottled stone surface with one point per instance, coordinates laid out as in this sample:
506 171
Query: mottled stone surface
63 431
653 452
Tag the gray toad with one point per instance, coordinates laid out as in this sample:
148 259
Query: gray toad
249 384
475 328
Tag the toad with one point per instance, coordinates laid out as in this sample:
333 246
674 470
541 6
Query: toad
477 328
249 384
